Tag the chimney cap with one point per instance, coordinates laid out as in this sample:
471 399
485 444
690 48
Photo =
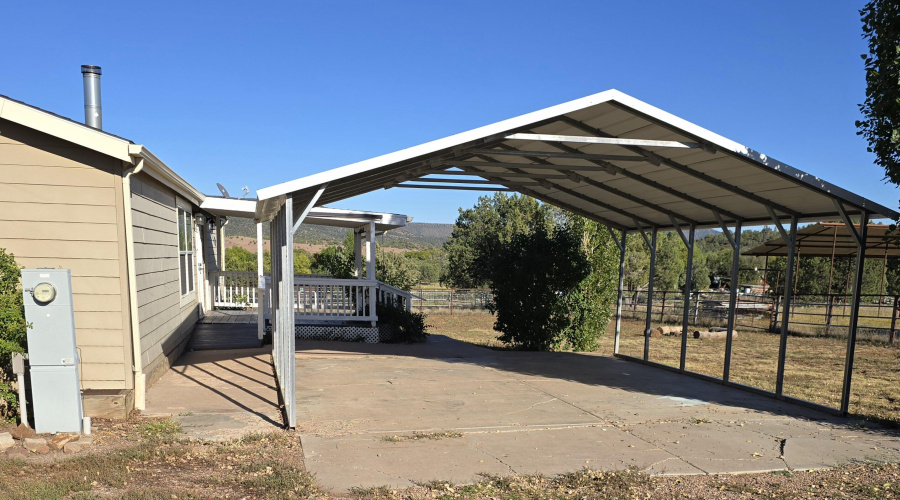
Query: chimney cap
87 68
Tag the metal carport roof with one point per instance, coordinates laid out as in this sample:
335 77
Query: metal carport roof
609 157
825 240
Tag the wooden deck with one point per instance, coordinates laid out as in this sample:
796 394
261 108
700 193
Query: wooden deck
225 330
230 317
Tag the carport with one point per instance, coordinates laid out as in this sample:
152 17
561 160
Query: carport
610 158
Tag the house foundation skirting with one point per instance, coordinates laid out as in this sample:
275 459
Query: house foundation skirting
341 332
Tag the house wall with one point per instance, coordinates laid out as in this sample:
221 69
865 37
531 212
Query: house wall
166 318
61 206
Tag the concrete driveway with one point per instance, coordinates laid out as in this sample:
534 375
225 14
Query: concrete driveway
361 406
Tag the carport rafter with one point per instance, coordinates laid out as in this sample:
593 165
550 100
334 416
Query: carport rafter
617 170
612 141
682 168
576 194
573 209
599 185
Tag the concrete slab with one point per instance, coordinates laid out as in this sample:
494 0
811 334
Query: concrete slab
218 394
548 413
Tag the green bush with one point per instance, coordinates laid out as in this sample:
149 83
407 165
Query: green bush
403 327
12 330
533 275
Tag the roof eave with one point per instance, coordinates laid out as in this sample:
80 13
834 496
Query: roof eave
157 169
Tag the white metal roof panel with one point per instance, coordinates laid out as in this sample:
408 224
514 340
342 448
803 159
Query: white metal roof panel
705 173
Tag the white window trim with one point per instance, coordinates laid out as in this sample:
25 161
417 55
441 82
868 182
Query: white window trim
182 204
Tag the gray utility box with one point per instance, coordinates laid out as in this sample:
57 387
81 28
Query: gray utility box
52 355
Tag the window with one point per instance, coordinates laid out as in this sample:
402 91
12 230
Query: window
185 251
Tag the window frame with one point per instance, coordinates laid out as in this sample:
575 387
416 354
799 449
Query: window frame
185 251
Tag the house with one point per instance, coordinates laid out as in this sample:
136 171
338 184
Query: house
146 250
130 230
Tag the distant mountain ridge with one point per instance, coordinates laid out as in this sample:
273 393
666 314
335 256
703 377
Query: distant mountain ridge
416 235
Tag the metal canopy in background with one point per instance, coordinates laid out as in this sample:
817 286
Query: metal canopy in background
609 157
825 240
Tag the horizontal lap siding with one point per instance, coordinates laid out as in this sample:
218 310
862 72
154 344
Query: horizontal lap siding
165 318
60 207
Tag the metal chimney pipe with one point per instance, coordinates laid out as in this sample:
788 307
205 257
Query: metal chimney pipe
93 115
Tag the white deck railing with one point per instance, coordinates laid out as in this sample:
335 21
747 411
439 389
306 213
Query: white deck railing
317 297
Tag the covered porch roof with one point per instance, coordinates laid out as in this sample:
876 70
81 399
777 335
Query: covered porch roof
320 216
609 157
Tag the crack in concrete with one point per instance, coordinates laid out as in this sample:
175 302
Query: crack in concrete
482 450
532 406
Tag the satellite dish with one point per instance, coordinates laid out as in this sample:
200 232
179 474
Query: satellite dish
246 190
223 190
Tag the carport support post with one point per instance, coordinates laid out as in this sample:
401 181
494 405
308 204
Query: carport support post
651 279
688 283
791 240
260 284
860 237
620 290
732 297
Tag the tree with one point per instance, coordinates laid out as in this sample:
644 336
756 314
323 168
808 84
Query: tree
590 304
481 230
881 109
530 280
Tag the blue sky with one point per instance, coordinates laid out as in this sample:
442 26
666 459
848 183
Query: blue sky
260 93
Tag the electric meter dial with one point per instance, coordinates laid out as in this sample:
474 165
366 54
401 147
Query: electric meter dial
44 293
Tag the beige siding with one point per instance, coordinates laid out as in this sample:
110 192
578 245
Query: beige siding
61 207
166 318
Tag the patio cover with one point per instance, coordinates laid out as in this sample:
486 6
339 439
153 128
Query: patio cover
609 157
820 240
321 216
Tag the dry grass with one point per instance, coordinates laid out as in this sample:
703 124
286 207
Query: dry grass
146 459
474 328
852 481
814 367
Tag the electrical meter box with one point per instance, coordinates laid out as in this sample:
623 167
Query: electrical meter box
52 354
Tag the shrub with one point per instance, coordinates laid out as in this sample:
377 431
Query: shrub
402 326
533 274
12 330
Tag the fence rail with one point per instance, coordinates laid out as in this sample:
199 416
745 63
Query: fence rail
810 314
319 297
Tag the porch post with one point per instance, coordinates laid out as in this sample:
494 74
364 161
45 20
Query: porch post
732 297
860 238
357 253
620 289
370 271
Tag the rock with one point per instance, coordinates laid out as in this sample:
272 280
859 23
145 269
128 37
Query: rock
41 450
16 453
6 441
59 441
33 443
22 431
87 440
72 447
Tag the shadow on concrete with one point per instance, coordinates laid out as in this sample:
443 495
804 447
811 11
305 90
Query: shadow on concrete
585 368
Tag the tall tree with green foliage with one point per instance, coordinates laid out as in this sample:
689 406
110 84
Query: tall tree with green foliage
13 330
532 275
482 229
881 109
590 304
